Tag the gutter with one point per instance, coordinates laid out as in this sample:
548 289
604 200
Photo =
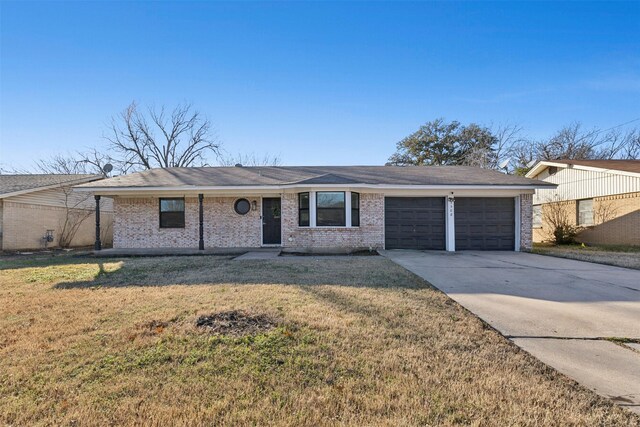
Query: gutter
262 188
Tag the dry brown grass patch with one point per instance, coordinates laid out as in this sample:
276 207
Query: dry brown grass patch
358 341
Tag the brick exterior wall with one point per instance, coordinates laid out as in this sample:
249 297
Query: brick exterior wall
370 233
224 228
137 225
24 225
1 202
526 220
616 221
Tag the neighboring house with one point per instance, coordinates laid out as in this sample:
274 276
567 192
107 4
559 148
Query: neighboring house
602 197
310 208
34 206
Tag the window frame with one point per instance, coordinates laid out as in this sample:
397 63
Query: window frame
578 212
307 209
235 206
355 208
160 212
535 224
344 209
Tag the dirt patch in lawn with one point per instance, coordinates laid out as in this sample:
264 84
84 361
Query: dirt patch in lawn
236 323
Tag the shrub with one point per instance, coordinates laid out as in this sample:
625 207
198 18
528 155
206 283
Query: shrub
565 234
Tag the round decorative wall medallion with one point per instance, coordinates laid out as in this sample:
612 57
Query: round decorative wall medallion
242 206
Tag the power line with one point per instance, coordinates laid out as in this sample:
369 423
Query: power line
594 133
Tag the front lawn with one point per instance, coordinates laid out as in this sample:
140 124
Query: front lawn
618 255
352 341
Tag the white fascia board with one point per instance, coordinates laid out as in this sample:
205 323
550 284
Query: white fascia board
613 171
382 188
49 187
542 165
545 164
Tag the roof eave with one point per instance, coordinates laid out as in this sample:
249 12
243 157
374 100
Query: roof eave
266 188
542 165
72 183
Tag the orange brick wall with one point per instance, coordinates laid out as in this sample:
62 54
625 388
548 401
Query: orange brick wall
617 221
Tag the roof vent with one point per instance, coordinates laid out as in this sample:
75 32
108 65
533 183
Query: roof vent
238 165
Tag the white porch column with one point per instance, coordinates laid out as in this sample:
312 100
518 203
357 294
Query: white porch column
347 208
450 224
312 208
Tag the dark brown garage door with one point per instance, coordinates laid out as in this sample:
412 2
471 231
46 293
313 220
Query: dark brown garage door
485 223
414 223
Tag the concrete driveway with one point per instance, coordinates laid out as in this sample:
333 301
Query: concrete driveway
559 310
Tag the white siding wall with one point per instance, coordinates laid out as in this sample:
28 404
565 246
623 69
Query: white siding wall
576 184
56 197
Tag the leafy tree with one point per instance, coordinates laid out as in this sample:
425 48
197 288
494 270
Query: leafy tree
441 143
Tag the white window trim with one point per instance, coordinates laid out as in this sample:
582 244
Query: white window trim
347 209
312 209
313 223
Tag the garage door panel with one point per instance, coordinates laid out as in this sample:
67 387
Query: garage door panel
414 223
485 223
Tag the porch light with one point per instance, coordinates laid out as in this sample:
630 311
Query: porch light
254 205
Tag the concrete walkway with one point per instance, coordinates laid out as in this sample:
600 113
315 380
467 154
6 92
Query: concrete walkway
263 254
151 252
558 310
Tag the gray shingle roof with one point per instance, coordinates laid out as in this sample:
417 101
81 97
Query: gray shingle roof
308 175
14 183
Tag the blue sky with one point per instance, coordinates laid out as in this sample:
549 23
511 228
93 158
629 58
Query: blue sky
315 83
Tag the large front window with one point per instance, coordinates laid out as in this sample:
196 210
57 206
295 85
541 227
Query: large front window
171 213
330 209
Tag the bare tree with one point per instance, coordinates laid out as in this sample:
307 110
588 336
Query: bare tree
76 211
627 144
155 138
508 137
570 142
251 159
604 211
573 142
88 162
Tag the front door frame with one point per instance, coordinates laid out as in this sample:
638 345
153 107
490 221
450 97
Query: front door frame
269 245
